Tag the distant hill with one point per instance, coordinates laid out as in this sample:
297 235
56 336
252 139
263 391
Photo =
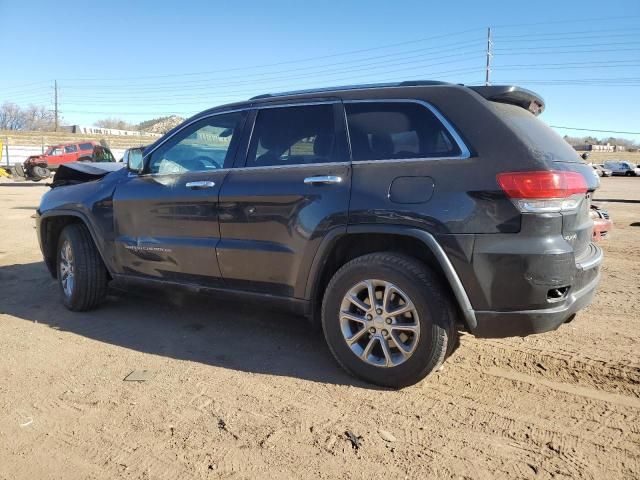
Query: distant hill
160 125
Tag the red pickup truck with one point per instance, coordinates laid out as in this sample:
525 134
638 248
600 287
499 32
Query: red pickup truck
38 167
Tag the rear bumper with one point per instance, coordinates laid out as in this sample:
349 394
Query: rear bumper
499 324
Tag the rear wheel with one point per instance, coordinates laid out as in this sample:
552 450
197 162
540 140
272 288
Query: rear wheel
82 275
387 319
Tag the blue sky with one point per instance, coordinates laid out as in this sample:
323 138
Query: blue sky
140 59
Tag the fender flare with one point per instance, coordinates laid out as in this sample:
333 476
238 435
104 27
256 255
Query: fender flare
426 238
87 223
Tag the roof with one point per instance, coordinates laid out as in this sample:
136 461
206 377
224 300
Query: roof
497 93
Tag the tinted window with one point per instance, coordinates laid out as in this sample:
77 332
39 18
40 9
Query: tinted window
203 146
86 146
294 135
397 130
70 149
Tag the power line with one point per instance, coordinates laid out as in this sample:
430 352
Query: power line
572 52
594 130
219 93
302 60
538 35
320 68
611 44
559 22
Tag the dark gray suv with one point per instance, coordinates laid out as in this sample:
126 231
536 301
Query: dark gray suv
388 214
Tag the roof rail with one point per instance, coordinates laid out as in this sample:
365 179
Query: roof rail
410 83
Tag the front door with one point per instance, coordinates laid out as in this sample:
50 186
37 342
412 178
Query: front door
166 219
292 189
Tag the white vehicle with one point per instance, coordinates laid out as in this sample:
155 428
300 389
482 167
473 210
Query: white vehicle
619 167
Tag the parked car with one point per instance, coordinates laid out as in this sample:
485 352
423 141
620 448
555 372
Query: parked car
602 223
600 171
619 167
386 214
39 167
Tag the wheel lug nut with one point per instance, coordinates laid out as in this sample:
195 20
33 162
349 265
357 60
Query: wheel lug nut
372 330
369 317
378 311
388 321
385 333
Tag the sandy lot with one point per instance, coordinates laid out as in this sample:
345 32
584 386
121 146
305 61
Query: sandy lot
239 392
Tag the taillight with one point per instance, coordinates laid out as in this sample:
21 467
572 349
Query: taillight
546 191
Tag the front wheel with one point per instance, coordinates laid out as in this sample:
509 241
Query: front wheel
82 275
387 319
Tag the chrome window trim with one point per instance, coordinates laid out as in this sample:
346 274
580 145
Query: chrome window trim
464 150
243 169
406 160
295 165
260 106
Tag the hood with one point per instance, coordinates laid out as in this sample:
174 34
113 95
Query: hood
80 172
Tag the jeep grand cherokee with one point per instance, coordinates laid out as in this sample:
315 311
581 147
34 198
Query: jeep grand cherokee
385 213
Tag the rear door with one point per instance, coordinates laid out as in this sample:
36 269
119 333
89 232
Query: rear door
166 220
277 205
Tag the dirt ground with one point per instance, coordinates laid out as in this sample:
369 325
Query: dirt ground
235 391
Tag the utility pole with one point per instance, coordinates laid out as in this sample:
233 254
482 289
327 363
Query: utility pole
55 104
487 80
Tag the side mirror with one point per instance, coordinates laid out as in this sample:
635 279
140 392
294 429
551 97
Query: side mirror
135 160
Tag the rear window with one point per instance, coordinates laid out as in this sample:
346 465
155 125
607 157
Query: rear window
86 146
543 141
397 130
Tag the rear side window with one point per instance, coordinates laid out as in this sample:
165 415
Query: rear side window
397 130
86 146
70 149
294 136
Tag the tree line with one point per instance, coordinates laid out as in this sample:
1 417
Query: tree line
38 118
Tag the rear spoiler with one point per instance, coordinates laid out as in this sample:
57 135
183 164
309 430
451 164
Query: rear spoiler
513 95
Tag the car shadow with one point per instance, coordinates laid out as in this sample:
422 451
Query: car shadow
249 338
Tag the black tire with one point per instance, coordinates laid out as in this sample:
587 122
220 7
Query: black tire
628 174
90 276
433 304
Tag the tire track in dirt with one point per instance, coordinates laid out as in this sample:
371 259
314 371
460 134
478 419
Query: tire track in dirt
557 365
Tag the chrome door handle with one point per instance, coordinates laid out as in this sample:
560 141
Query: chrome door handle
200 185
322 179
